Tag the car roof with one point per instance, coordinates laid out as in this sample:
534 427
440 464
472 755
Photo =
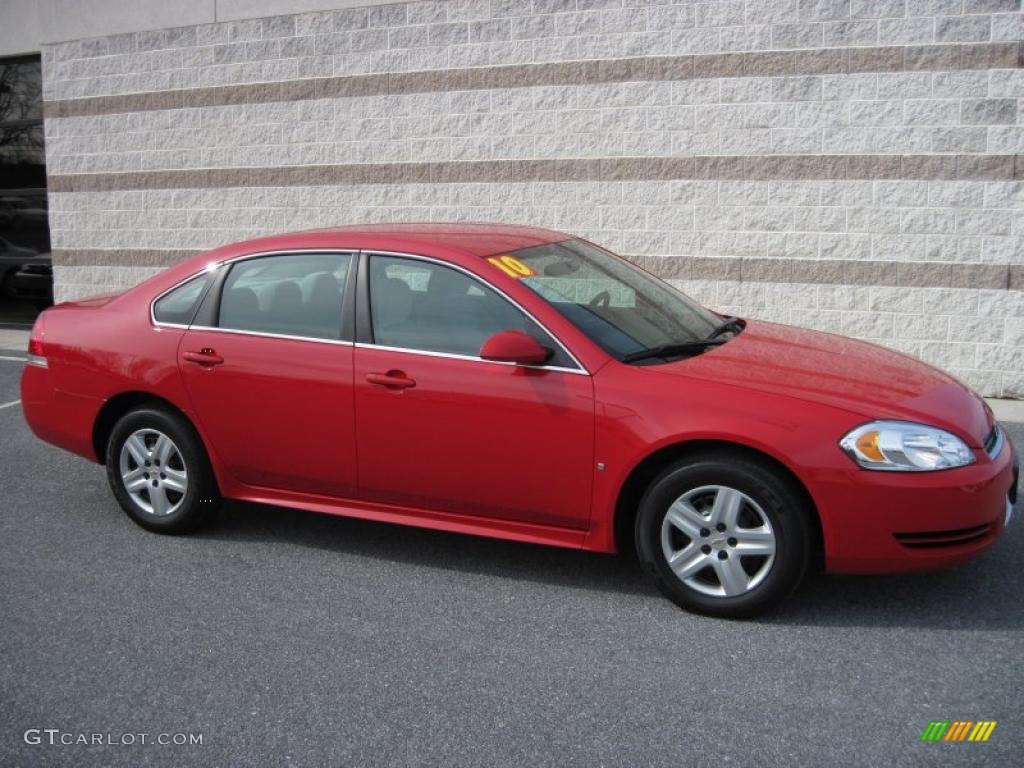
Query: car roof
476 238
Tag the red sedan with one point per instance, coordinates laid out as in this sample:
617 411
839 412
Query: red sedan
523 384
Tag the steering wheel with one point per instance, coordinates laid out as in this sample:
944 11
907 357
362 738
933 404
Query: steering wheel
602 299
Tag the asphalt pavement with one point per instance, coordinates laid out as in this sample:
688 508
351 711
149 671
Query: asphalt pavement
288 638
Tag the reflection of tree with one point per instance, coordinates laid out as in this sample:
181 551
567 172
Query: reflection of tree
21 135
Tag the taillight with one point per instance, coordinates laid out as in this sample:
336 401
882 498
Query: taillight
36 346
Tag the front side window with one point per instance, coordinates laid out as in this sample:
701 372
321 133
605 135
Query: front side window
423 306
622 309
290 294
178 307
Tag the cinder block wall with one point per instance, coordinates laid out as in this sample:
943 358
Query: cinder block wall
848 165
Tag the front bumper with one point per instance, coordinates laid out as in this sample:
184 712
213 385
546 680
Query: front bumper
885 522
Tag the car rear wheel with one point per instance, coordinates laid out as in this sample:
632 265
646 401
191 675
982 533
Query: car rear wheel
723 535
159 472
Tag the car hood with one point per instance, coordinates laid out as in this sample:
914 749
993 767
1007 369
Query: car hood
865 379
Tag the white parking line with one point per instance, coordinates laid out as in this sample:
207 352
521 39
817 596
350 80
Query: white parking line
13 359
8 405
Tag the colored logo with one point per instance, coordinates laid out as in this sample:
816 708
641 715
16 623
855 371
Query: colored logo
959 730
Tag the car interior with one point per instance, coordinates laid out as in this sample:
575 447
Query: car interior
310 306
445 312
413 305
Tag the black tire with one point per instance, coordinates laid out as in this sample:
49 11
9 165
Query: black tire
185 512
770 578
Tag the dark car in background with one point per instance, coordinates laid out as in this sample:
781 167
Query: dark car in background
25 275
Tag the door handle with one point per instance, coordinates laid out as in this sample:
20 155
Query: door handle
391 380
204 356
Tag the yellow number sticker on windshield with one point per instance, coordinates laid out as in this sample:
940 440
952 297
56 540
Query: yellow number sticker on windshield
512 266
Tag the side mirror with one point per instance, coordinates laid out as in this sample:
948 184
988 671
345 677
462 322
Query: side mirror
514 347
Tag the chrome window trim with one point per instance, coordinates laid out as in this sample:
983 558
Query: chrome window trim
580 370
210 268
1000 441
213 266
264 334
169 325
470 358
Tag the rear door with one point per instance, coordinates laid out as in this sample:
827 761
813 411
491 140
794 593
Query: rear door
441 429
268 367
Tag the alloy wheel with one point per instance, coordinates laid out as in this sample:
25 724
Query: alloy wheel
718 541
153 472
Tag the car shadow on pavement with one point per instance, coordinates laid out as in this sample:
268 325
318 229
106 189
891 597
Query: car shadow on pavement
982 594
239 521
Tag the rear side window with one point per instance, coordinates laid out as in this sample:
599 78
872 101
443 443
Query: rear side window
288 295
179 306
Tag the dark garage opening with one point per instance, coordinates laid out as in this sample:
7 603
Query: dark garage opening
26 273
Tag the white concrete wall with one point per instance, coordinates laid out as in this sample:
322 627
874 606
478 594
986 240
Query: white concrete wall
902 221
25 25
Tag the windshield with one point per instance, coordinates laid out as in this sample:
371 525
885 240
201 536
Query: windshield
619 307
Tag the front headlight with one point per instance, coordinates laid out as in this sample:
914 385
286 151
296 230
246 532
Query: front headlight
903 446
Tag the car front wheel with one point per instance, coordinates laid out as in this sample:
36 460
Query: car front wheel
159 472
724 535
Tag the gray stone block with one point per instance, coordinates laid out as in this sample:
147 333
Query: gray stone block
934 7
1008 26
988 111
796 88
851 33
279 26
824 10
228 32
720 14
910 31
798 35
394 15
991 6
529 27
773 11
959 140
877 9
963 29
905 85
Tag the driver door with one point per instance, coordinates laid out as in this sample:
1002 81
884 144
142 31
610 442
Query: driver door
440 429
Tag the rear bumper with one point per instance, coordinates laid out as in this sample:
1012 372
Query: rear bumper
60 418
878 522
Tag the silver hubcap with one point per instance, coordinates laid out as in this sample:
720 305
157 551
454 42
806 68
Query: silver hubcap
718 541
153 472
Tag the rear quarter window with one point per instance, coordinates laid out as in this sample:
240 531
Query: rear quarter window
179 306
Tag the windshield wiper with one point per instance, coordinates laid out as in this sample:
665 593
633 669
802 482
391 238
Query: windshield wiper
671 350
728 324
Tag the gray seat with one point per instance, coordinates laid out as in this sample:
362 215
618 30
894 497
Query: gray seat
321 297
284 312
450 318
392 311
240 308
